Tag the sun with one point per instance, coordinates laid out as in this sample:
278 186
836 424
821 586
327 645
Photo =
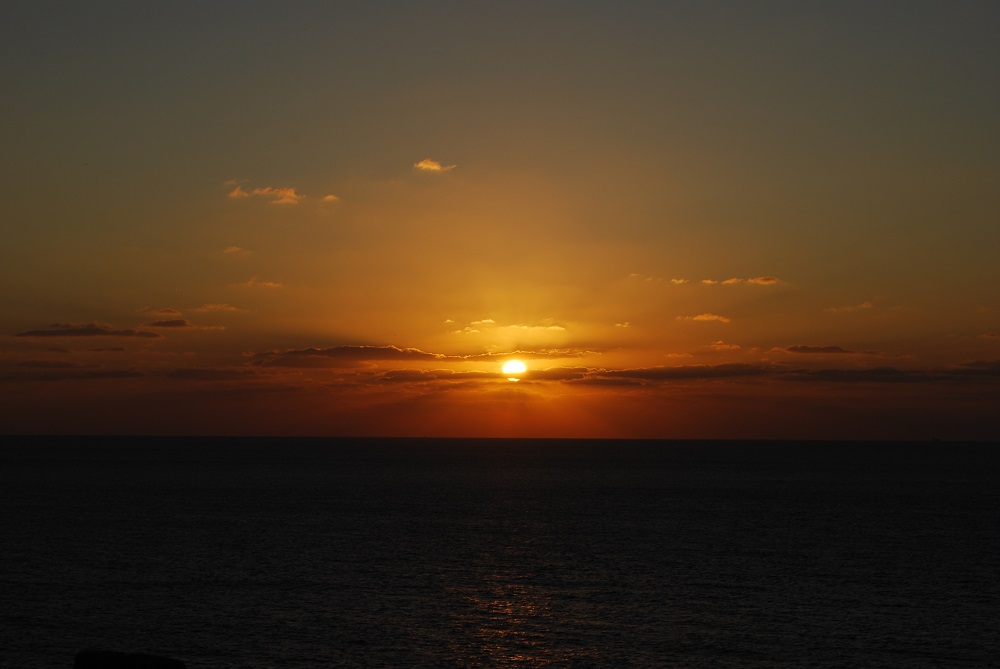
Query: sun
513 369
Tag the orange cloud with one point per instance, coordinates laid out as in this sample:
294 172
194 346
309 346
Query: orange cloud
235 250
816 349
282 195
431 166
279 195
206 308
164 312
330 198
255 282
182 323
86 330
864 306
706 317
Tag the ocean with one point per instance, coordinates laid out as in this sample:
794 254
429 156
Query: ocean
295 553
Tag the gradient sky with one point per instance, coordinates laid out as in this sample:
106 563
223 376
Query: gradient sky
712 219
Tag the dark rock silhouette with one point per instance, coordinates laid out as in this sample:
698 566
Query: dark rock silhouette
110 659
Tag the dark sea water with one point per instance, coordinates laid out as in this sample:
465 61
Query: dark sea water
500 553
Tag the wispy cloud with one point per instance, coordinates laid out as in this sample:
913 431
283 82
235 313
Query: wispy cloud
341 355
182 323
209 308
330 198
235 251
864 306
816 349
276 195
431 166
727 370
86 330
706 317
162 311
198 374
257 282
283 195
173 323
476 327
347 356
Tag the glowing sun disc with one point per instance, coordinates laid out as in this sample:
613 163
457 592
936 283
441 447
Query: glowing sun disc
514 367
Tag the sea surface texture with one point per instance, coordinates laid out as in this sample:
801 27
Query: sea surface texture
283 553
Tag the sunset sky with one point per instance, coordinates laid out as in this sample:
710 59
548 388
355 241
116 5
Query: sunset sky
713 219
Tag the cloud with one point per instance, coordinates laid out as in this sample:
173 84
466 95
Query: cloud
816 349
555 374
348 356
735 281
476 327
341 356
727 370
723 346
208 308
86 330
284 195
427 375
256 282
874 374
625 324
679 282
864 306
182 323
989 336
706 317
279 195
90 375
47 364
542 354
235 251
601 381
428 165
174 323
982 367
166 311
330 198
196 374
